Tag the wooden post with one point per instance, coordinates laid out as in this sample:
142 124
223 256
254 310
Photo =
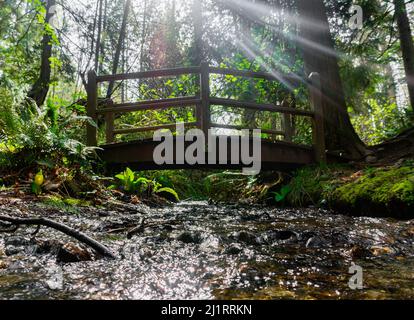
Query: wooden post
203 113
318 120
91 131
287 123
109 121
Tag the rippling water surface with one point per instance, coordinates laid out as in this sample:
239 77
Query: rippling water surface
199 251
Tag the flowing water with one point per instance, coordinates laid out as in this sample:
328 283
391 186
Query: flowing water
199 251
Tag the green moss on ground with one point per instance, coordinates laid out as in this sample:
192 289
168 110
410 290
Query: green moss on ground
374 191
69 205
381 186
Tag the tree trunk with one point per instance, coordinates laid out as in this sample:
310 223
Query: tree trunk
98 38
198 50
316 43
40 89
119 47
143 37
407 46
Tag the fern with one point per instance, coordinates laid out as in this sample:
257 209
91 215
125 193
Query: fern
170 191
284 192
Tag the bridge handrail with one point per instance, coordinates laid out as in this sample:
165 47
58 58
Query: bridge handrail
261 107
150 105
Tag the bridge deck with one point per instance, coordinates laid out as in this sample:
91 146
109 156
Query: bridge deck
274 156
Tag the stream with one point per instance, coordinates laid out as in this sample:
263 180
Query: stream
195 250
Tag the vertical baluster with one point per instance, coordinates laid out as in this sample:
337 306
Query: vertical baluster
110 120
287 123
204 111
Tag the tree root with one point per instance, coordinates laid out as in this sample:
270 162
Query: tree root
81 237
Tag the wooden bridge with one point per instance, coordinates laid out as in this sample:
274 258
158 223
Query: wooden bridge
275 154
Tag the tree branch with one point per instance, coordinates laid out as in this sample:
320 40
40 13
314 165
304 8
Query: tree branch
81 237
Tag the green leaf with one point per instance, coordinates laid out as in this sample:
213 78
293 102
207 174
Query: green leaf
284 192
170 191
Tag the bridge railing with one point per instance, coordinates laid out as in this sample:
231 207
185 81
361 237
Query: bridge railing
203 101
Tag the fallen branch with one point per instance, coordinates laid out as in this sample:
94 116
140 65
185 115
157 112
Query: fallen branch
81 237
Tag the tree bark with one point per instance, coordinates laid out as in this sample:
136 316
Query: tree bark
98 37
407 46
119 47
143 37
81 237
41 87
316 43
198 50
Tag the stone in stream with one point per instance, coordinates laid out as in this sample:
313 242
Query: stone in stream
246 237
189 237
16 244
280 235
317 242
70 253
17 241
234 249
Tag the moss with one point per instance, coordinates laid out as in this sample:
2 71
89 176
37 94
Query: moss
380 187
69 205
378 192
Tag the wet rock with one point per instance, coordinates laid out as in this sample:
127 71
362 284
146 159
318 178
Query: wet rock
210 244
250 217
246 237
12 250
70 253
168 227
357 252
48 246
280 235
234 248
146 253
317 242
380 251
54 277
17 241
213 217
15 245
208 276
305 236
189 237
